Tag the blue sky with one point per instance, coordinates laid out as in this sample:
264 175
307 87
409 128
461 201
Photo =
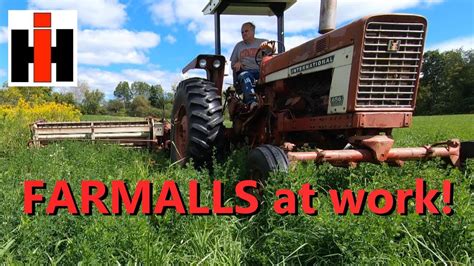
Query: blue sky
145 40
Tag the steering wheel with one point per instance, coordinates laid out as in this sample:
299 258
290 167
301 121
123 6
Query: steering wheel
267 49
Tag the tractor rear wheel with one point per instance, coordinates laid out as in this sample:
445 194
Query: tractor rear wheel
266 159
196 121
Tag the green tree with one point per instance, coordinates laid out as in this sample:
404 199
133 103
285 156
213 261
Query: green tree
157 98
79 91
37 94
169 97
66 97
140 106
446 83
115 107
92 103
11 95
140 88
123 92
465 81
168 102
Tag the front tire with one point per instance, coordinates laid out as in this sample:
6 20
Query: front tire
196 121
266 159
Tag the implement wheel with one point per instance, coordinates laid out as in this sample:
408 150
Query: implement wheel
196 121
266 159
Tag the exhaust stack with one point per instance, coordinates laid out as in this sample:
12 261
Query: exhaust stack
327 16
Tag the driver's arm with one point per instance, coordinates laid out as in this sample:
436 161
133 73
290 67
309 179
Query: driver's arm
234 60
237 66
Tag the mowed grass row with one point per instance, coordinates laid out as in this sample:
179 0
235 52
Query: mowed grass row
264 238
429 129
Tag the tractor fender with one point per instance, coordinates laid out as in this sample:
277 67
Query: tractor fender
214 66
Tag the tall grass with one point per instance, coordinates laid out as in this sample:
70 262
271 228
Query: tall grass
16 119
264 238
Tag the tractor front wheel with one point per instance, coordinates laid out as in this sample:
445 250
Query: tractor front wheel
196 121
266 159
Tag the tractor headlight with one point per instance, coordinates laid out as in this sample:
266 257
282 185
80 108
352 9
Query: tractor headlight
216 63
202 63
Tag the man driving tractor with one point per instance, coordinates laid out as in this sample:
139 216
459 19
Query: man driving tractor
243 62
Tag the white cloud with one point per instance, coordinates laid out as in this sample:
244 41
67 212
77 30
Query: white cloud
109 44
106 81
95 13
433 2
170 39
466 42
3 73
296 40
301 20
105 47
3 34
230 29
304 15
172 11
193 26
162 12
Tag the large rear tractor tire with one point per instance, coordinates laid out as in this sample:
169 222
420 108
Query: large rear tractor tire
196 120
264 160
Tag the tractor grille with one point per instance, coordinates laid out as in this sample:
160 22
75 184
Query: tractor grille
391 56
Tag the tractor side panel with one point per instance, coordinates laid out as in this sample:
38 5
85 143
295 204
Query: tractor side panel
340 81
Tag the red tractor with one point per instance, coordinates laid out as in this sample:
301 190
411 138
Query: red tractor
339 95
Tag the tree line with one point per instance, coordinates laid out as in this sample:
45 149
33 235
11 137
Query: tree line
141 99
138 99
447 83
446 87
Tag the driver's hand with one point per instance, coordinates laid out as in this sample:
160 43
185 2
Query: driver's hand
268 45
263 44
237 66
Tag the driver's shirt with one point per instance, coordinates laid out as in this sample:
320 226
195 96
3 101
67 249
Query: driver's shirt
245 53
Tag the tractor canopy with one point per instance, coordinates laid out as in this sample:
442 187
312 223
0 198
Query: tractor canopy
250 8
239 7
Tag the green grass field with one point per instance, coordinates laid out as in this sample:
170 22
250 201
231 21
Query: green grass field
264 238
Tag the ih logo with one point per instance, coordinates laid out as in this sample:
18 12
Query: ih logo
42 48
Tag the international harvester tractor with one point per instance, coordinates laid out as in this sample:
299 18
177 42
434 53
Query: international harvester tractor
337 97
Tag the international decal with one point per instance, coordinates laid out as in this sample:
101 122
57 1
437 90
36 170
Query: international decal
313 64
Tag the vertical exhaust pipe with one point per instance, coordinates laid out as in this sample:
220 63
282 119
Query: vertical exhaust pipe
327 16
